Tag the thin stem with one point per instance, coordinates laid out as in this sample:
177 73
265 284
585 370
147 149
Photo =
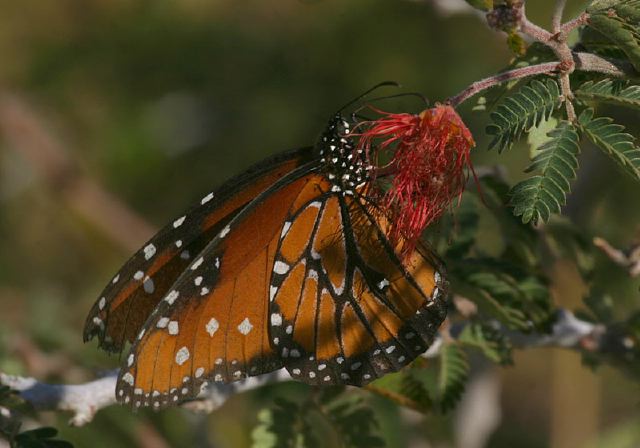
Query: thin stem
487 83
558 10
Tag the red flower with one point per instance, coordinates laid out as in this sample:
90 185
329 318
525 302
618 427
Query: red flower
428 154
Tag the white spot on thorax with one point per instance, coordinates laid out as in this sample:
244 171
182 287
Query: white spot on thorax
182 356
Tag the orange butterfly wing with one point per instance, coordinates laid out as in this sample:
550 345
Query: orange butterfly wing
213 323
344 308
131 296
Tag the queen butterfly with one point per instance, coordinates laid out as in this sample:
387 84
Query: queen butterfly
287 265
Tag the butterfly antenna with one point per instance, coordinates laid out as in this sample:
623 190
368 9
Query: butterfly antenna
400 95
376 87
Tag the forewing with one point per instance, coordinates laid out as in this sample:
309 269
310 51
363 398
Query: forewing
212 324
344 308
145 279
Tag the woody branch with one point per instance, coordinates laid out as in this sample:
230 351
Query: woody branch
568 60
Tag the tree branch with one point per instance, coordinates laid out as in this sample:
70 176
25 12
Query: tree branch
84 400
558 10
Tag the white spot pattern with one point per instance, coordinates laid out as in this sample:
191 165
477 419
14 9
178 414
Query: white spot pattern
245 326
173 328
149 251
178 222
280 268
211 327
206 199
182 356
276 319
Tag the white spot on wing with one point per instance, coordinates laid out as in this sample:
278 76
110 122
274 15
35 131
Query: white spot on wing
245 326
102 303
272 292
199 372
128 378
285 228
212 326
280 268
206 199
178 222
182 356
138 275
276 319
148 285
149 251
225 231
171 297
196 264
163 322
173 328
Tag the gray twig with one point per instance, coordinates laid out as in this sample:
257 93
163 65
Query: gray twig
84 400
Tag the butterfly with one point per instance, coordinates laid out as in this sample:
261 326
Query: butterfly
286 265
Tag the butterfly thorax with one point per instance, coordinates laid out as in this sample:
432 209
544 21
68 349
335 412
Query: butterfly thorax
344 164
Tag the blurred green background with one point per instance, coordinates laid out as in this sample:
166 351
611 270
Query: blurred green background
116 115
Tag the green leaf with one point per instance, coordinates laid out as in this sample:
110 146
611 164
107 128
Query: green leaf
488 339
609 91
536 198
40 438
519 300
453 375
566 241
464 228
355 423
620 22
414 389
520 112
283 425
610 137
